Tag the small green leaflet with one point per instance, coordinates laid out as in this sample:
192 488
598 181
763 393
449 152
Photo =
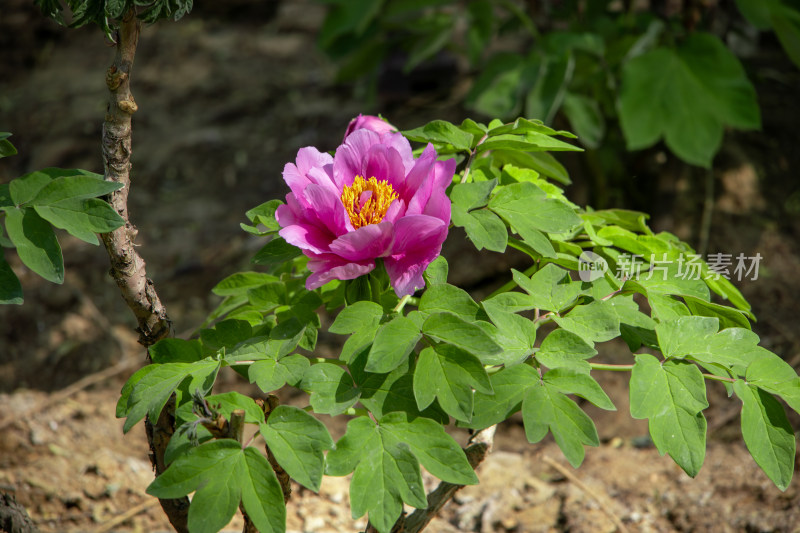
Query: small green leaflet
450 329
509 385
223 475
10 287
393 343
528 210
385 460
546 406
679 337
297 441
515 334
672 395
445 298
150 393
546 289
564 349
449 374
36 243
767 433
6 148
440 131
595 322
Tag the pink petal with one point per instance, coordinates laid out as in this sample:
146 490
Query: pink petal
403 147
439 206
307 236
420 181
349 160
385 164
365 243
327 207
418 241
312 167
327 267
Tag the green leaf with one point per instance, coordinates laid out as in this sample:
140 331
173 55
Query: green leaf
393 343
472 195
586 118
581 384
175 351
275 253
151 392
526 207
450 329
786 23
545 407
509 385
728 316
671 395
496 92
331 389
272 374
355 317
241 282
679 337
484 228
10 287
223 474
564 349
73 186
440 131
435 449
6 148
125 393
36 243
516 335
449 374
767 433
446 298
701 83
297 441
545 287
263 214
81 218
386 473
545 97
595 322
225 404
436 272
25 188
226 334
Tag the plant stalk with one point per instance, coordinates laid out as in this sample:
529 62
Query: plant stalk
127 266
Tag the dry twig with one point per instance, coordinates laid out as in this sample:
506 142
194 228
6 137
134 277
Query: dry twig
589 492
127 515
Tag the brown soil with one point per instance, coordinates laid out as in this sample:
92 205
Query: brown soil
224 102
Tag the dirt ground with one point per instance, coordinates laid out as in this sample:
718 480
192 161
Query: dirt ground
224 101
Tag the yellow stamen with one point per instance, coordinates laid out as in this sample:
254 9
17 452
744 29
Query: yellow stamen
370 208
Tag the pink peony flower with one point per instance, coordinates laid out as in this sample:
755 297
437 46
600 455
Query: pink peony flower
369 122
371 200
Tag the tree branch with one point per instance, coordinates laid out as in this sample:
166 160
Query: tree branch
127 266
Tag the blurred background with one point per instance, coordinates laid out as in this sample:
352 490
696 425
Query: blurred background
227 96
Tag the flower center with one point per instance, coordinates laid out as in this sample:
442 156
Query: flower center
366 202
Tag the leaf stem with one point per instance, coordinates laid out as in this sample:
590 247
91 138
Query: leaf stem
472 157
719 378
402 303
613 368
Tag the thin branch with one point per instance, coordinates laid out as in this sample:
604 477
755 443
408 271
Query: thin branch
127 266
